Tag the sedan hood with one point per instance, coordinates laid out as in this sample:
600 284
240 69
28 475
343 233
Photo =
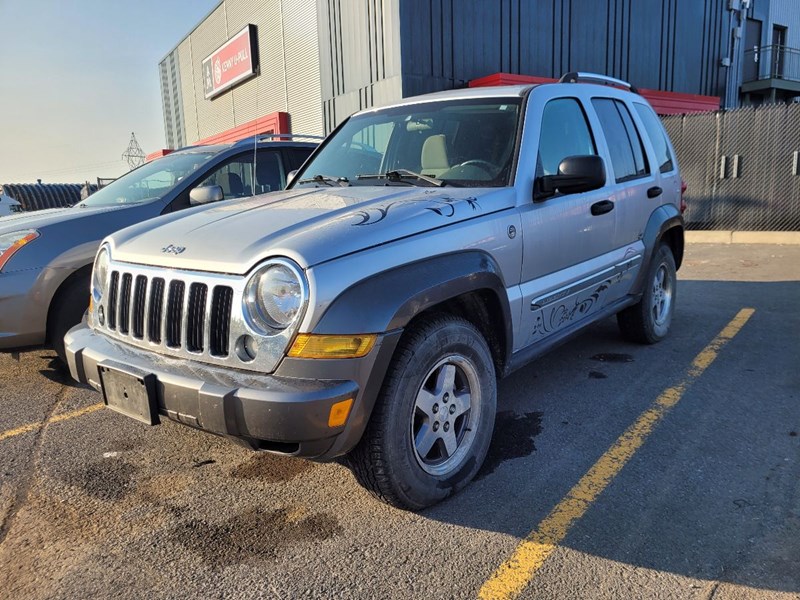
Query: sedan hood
308 225
39 219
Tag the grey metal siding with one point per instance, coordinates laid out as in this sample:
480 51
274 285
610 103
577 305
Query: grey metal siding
673 45
213 116
171 98
289 77
301 47
359 49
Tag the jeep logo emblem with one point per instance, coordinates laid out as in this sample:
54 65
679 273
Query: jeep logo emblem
173 249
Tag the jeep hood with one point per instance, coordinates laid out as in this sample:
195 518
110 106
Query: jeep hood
308 225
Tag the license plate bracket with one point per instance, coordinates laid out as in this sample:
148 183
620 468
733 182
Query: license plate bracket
130 393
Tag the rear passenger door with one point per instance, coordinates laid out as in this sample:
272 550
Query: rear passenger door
634 187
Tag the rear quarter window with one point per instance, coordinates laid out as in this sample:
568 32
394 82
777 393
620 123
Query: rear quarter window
658 137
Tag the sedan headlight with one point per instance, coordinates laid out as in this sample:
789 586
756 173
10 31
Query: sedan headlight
11 242
100 274
274 296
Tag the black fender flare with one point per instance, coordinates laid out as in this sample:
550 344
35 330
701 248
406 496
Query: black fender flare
663 219
388 300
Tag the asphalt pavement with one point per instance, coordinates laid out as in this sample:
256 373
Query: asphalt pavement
704 503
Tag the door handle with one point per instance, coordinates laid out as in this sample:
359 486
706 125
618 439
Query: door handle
602 207
654 192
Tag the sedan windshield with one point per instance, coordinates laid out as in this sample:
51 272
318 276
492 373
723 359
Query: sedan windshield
450 142
151 180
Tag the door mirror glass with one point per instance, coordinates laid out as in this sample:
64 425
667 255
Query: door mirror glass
205 194
576 174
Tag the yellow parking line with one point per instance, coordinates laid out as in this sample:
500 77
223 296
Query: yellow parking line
514 574
55 419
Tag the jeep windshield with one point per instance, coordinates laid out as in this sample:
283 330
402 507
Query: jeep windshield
467 142
151 180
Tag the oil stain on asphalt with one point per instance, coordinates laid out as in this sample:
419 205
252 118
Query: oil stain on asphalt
613 357
107 480
512 438
271 468
256 533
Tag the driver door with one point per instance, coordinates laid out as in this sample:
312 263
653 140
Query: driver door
567 250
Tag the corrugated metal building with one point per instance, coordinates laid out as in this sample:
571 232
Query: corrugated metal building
318 62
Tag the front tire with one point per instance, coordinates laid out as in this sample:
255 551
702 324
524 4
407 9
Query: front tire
66 311
649 320
432 423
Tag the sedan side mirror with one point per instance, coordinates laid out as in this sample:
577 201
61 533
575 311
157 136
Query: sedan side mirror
576 174
290 177
205 194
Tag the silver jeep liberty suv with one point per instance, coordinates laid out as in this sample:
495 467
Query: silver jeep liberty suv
424 250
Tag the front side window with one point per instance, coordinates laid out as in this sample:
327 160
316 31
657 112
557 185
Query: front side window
624 143
152 180
466 142
235 177
565 132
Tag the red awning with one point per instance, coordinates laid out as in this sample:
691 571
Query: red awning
664 103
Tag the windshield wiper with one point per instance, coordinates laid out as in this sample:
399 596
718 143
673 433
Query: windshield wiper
327 180
402 175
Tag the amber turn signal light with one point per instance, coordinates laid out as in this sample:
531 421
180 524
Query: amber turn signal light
339 413
332 346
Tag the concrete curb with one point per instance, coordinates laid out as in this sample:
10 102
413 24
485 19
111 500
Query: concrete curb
743 237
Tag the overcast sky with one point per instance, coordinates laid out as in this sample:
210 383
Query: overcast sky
77 77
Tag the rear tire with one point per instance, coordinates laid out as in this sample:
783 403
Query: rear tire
66 310
432 423
649 320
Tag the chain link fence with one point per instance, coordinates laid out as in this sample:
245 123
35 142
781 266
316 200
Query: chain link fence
742 167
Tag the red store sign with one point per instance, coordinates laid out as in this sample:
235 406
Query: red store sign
233 62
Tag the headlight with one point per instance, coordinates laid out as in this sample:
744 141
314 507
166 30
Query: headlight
100 274
11 242
274 296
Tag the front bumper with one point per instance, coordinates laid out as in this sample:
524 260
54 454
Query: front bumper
286 412
23 309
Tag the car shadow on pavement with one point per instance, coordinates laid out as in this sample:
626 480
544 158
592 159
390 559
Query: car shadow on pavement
711 494
57 372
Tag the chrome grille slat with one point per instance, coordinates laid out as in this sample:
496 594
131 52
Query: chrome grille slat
139 306
113 291
154 310
124 315
176 314
184 320
208 319
219 323
196 317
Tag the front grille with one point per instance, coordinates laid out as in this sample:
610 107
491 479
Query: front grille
148 309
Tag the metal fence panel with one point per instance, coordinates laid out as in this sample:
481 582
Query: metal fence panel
742 167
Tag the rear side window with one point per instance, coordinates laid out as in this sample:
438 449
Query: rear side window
565 132
624 143
655 131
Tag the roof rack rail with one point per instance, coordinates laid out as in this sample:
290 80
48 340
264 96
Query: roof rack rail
580 77
265 137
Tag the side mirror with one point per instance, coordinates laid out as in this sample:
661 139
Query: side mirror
205 194
290 177
576 174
